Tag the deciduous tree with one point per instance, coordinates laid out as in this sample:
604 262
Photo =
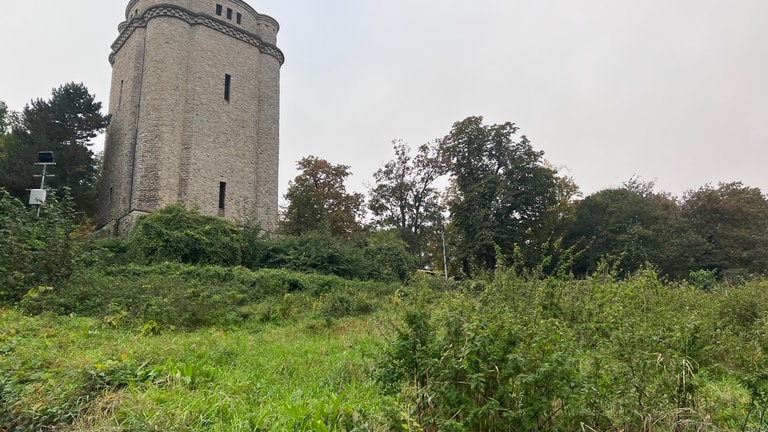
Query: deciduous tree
3 117
502 192
318 199
405 197
631 224
730 223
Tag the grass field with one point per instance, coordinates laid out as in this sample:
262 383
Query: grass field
304 375
312 353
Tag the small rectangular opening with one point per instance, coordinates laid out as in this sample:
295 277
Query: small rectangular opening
239 18
229 13
222 194
219 9
120 98
227 85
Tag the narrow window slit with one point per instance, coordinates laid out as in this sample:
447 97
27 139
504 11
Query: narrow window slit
227 85
222 195
120 98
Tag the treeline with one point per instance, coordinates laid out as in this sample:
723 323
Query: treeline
503 201
479 195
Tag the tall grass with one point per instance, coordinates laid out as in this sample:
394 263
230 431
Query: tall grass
80 374
229 349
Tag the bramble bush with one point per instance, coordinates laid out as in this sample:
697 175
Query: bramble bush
178 234
189 297
379 258
636 354
479 363
35 251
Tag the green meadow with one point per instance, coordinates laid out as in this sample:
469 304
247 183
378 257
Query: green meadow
175 347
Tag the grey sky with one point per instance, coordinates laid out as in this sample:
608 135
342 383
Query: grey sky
671 90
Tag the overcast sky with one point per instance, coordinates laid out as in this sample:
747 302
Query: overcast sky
674 91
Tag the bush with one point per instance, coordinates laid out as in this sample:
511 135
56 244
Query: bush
514 353
388 258
320 252
101 251
482 366
34 251
190 297
178 234
379 258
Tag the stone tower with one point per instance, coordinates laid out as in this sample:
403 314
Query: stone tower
195 104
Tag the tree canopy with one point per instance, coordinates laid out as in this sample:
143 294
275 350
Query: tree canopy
730 228
3 117
630 225
502 192
318 199
405 197
503 201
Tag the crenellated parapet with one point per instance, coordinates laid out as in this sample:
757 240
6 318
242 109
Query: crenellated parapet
141 20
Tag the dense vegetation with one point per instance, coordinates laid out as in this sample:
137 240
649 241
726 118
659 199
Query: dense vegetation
181 347
628 310
143 335
482 191
503 200
65 124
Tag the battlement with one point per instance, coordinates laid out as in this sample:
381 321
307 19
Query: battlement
135 6
236 13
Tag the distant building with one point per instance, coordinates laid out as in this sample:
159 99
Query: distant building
195 104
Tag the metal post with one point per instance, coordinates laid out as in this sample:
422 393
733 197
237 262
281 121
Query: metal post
42 179
42 186
42 183
44 159
445 256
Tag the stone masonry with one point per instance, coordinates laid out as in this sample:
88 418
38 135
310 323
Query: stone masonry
195 103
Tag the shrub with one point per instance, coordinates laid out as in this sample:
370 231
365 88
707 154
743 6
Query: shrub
514 353
189 297
178 234
95 251
482 365
34 251
316 252
388 258
379 258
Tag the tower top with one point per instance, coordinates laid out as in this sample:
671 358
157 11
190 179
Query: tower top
232 17
130 10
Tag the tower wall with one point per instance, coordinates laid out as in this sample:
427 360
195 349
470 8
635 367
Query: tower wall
195 105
